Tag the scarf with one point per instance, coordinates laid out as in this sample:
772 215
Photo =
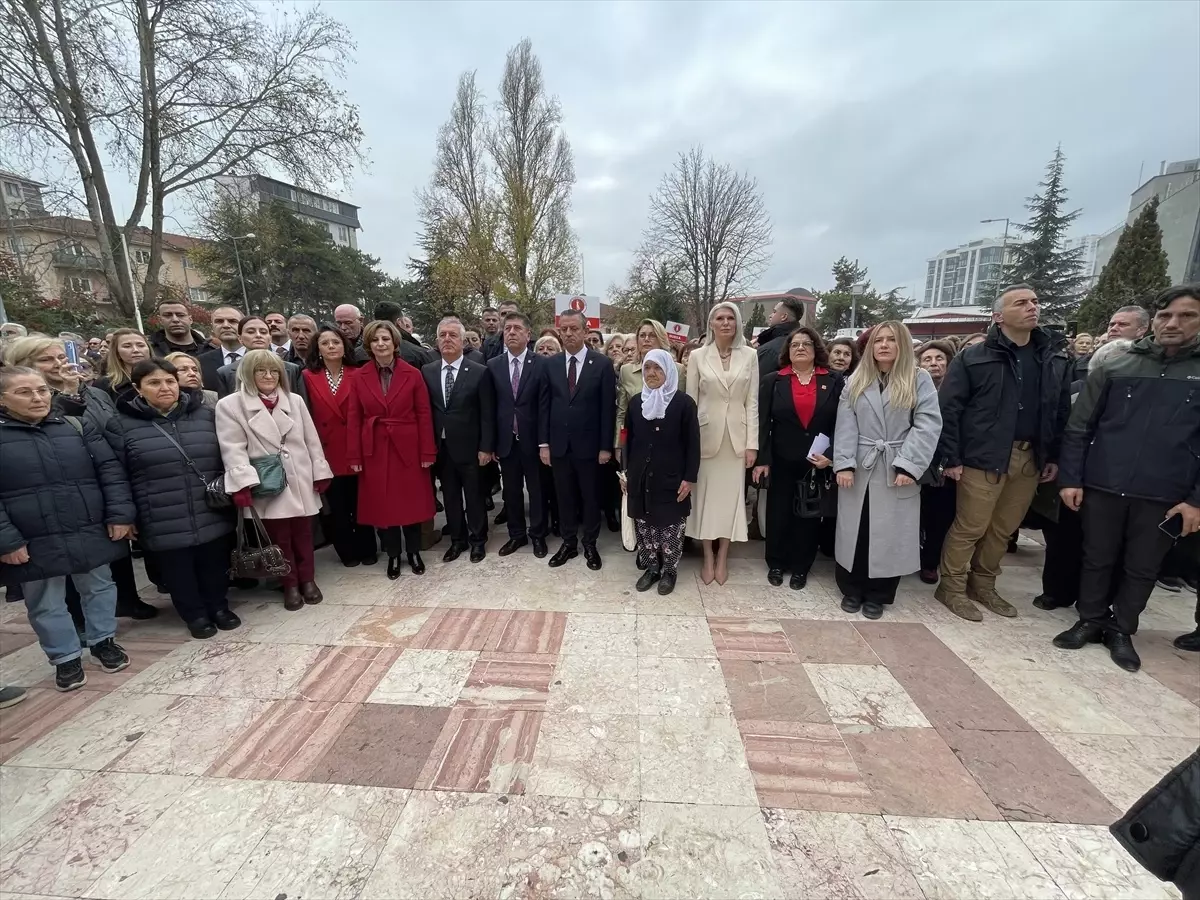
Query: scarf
269 400
656 400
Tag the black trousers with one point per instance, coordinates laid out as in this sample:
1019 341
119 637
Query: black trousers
400 539
577 483
1064 556
610 489
463 487
197 578
791 541
549 498
352 542
522 472
1122 551
937 515
856 583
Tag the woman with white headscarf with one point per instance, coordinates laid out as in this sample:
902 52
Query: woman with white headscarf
722 377
662 458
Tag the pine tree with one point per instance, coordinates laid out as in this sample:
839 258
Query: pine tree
758 319
1136 271
1040 260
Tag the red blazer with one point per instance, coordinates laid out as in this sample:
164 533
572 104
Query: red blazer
330 414
390 437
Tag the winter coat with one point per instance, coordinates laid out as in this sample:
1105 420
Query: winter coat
659 454
330 413
875 440
770 343
390 437
979 398
168 493
1162 830
1135 429
60 489
92 404
160 346
248 430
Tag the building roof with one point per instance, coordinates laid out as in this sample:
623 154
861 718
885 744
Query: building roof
4 173
72 227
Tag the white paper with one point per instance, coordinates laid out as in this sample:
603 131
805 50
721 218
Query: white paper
819 445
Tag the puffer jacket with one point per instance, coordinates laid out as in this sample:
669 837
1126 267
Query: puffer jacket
169 495
92 404
979 398
60 489
1135 429
1162 830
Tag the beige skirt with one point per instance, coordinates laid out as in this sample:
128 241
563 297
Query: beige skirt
719 500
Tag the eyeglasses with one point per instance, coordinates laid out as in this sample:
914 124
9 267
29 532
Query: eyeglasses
262 373
26 393
804 345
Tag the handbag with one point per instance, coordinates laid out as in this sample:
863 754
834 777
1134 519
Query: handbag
816 495
272 478
628 531
215 495
263 561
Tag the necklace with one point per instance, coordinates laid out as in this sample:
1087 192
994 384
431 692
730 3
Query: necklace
724 354
803 379
334 384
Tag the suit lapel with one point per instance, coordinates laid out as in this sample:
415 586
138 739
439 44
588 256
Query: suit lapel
526 374
874 397
824 383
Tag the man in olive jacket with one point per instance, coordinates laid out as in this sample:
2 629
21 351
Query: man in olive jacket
1130 460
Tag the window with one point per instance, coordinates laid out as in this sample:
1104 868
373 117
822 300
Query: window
183 261
198 295
15 246
74 248
141 257
80 284
343 235
12 190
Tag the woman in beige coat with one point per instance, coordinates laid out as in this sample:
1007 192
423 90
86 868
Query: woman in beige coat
259 419
722 377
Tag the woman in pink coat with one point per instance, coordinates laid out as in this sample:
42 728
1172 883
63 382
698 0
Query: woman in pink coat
259 419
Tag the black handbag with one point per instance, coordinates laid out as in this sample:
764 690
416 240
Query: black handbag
215 495
816 495
263 561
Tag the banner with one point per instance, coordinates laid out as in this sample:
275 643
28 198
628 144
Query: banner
677 332
589 306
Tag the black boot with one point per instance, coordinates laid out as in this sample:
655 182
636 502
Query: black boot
1189 642
649 578
416 563
1079 634
393 567
1120 648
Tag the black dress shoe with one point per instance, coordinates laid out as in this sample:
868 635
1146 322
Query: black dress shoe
775 577
666 584
872 610
1045 601
478 553
502 517
416 563
648 579
351 563
1120 648
370 560
201 629
539 548
592 555
1189 642
1079 634
614 521
851 604
454 552
226 620
798 581
393 569
512 545
564 553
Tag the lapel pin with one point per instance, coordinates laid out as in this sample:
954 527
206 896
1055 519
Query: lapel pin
822 387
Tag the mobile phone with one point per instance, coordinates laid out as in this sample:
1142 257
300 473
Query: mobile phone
1172 526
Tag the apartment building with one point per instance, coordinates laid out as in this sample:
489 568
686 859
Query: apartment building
337 217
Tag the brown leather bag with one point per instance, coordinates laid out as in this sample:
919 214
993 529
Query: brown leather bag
265 560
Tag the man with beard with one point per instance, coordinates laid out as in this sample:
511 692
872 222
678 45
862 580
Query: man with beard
176 334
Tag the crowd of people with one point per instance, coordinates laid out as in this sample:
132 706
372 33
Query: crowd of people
892 457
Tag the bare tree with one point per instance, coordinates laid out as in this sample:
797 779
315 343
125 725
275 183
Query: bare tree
181 93
535 175
713 222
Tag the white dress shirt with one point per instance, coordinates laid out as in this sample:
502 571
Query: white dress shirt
237 355
457 367
520 364
581 358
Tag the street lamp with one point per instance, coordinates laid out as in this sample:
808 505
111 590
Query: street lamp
1003 250
241 277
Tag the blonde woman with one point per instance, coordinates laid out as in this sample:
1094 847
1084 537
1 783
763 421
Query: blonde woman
187 370
650 335
615 351
262 418
722 377
127 348
888 425
71 397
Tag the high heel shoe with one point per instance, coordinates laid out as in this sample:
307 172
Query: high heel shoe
393 567
416 563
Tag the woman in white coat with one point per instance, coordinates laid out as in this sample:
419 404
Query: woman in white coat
259 419
888 425
722 377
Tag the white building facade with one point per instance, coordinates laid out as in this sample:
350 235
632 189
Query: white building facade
968 275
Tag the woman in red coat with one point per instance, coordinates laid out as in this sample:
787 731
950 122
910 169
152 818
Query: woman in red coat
390 441
330 383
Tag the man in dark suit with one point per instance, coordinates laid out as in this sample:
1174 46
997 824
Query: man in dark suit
522 430
255 334
224 347
464 427
583 414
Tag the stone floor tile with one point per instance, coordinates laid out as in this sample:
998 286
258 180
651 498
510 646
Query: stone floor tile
14 637
1146 705
346 674
838 856
689 759
25 667
460 629
681 687
191 736
1054 701
683 637
704 851
509 680
42 710
381 745
1161 660
529 632
483 750
425 678
388 626
953 859
285 742
1122 767
907 644
828 642
225 669
587 756
27 793
803 766
957 698
864 695
912 772
600 633
751 639
595 684
320 624
778 691
744 601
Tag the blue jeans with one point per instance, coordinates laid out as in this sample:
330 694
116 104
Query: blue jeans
47 605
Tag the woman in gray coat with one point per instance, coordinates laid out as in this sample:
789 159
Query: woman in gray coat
888 425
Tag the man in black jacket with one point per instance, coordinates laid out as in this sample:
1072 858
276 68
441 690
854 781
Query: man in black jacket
464 427
1004 405
1129 463
176 334
788 313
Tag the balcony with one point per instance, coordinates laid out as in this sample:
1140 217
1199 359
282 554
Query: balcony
67 259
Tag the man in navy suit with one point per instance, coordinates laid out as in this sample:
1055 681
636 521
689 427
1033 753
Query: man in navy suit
522 431
583 413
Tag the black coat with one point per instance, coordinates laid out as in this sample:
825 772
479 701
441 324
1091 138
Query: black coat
468 421
168 494
227 380
659 454
60 489
770 343
782 439
583 425
212 361
531 407
979 398
160 346
92 404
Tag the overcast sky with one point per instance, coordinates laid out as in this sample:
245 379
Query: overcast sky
882 131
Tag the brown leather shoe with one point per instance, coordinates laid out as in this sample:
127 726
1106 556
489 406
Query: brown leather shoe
958 604
292 600
311 593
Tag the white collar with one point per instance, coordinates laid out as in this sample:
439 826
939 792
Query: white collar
454 365
510 356
581 356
